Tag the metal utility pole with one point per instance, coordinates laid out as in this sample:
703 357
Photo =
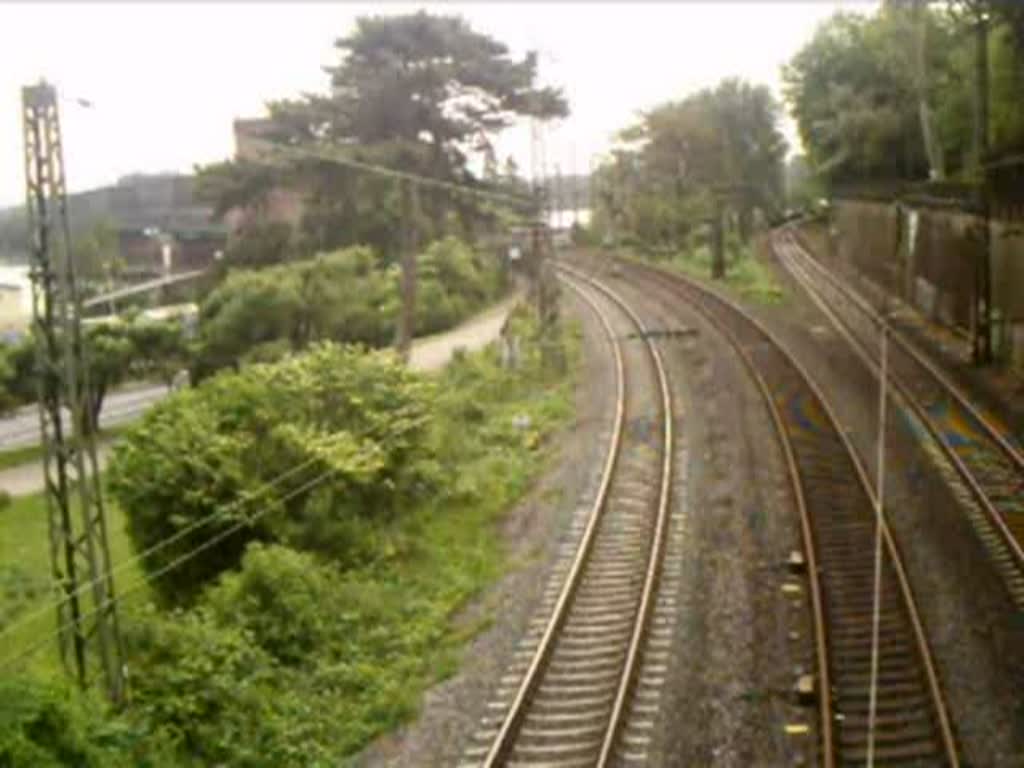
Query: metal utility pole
559 202
410 244
90 639
717 236
575 192
981 310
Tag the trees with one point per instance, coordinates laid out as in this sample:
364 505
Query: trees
353 421
662 181
110 353
891 96
414 92
350 295
855 113
115 351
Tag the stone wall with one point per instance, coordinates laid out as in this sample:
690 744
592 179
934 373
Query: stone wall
927 256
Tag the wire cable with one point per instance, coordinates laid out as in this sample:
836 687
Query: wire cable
153 549
193 526
147 580
327 154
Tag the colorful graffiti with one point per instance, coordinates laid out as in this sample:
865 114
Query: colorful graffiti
805 412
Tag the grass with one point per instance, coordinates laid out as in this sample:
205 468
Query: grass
25 594
745 275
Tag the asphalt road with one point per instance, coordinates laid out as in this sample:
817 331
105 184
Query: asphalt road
22 429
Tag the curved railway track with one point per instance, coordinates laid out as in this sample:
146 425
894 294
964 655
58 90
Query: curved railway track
838 515
570 695
987 462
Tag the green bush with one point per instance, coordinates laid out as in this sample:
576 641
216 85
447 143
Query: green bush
47 725
332 621
283 599
351 422
206 688
248 309
348 296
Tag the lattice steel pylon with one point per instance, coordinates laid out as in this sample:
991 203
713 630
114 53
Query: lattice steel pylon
90 640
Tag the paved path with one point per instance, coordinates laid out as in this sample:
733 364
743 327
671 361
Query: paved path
428 354
22 429
433 352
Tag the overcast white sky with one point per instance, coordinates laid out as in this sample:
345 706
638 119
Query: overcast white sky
166 80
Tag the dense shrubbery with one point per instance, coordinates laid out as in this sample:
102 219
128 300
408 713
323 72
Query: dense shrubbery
322 625
357 418
344 296
46 725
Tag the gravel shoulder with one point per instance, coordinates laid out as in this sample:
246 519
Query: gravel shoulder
740 642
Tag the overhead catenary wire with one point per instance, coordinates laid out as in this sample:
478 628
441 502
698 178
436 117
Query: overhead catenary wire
282 152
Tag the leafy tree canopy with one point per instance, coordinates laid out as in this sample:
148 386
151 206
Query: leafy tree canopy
414 92
726 140
890 95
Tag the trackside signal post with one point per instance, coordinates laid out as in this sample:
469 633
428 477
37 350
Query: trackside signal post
89 635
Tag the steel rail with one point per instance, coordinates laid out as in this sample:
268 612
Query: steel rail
685 287
660 532
905 344
996 519
503 741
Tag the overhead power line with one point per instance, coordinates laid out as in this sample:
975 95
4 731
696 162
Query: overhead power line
337 157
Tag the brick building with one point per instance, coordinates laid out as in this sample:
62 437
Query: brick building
283 204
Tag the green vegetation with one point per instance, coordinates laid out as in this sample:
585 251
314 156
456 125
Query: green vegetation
355 419
25 578
135 348
745 274
748 276
332 611
348 296
47 724
688 168
260 315
890 95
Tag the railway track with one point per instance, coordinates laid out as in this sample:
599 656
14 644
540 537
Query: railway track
569 694
911 724
987 462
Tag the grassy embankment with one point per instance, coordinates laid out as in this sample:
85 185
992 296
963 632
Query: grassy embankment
747 275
